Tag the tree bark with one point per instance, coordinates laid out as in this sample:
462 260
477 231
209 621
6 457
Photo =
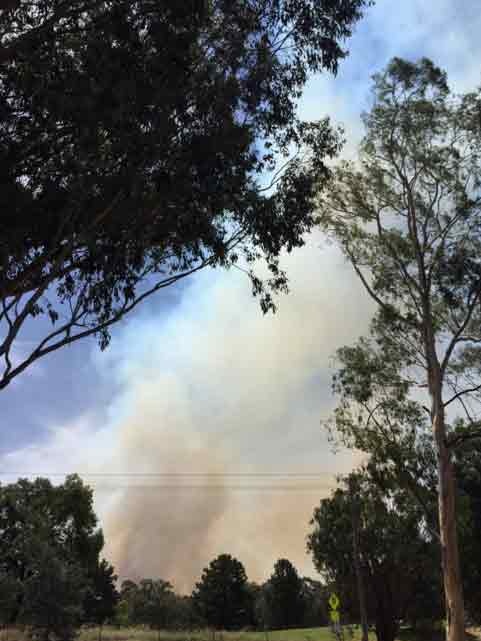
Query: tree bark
386 624
385 629
357 562
453 590
453 587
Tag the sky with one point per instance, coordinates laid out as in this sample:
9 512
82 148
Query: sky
200 427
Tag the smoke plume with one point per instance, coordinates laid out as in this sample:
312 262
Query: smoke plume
212 441
222 419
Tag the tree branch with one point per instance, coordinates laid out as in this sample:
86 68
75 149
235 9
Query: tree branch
457 336
470 390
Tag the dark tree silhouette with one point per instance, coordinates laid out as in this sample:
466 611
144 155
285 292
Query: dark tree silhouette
50 536
53 594
102 596
135 138
222 597
284 596
398 561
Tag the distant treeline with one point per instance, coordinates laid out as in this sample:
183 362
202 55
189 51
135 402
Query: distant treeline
53 579
224 599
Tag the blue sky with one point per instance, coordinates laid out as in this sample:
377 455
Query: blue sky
198 380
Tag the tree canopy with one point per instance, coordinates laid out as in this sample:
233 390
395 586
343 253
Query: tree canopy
408 217
52 595
221 597
50 557
468 475
149 602
101 597
61 515
135 141
398 563
284 596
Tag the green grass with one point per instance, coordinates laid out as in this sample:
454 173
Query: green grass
110 633
143 634
312 634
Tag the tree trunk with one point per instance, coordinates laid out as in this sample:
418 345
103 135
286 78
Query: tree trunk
453 590
453 586
386 625
385 630
357 561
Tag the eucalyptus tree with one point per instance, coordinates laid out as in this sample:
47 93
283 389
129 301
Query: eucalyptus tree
408 217
141 142
397 560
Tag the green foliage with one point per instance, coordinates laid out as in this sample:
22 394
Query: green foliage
10 591
127 601
136 140
387 423
62 515
49 557
408 217
315 596
304 599
284 597
181 614
468 473
121 613
52 596
221 598
102 596
152 603
399 564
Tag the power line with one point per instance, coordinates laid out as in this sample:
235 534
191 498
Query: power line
301 475
287 482
283 488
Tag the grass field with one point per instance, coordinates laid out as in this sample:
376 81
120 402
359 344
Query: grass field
142 634
312 634
111 633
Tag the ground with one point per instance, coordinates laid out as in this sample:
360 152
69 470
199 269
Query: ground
313 634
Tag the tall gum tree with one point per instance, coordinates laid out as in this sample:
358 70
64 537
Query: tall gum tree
408 217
